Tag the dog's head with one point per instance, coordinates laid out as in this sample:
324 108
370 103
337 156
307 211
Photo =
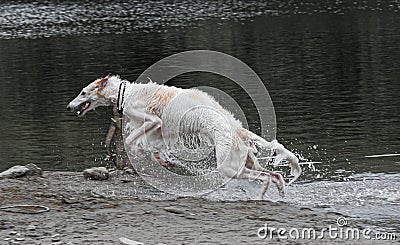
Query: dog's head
90 97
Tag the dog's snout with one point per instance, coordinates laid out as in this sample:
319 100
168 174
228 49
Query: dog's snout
69 108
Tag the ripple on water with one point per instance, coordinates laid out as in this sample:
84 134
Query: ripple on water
22 19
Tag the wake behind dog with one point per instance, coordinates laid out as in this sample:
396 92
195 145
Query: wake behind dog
160 115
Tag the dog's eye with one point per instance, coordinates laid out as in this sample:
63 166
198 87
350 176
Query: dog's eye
83 93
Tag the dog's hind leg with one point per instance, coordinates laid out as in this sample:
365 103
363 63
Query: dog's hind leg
274 146
263 176
277 179
232 161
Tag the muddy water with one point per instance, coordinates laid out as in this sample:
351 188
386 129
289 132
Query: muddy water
331 70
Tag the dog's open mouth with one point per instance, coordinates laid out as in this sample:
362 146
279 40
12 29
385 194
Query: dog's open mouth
84 107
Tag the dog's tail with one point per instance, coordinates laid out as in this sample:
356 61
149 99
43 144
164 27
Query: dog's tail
282 153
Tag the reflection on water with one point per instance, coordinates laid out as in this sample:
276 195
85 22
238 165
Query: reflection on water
332 70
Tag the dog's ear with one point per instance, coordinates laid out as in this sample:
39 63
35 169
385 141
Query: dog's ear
102 83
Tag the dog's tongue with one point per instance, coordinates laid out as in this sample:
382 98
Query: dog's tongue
85 106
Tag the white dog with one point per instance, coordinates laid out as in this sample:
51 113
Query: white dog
160 114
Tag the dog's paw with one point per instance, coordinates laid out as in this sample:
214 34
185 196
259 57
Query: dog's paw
278 180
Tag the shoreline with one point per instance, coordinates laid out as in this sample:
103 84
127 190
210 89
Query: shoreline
80 213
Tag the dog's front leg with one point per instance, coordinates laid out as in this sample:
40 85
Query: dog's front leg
149 122
141 131
155 156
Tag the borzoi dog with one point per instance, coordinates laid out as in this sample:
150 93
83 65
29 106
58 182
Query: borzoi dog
156 112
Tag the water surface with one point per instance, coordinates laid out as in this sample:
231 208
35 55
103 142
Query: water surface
332 70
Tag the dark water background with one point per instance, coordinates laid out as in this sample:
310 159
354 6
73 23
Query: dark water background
331 68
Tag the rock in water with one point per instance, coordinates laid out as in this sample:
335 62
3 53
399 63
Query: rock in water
96 173
20 171
174 210
33 169
14 172
127 241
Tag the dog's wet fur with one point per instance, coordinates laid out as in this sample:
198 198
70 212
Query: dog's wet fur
156 113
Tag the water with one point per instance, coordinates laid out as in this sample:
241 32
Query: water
331 69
